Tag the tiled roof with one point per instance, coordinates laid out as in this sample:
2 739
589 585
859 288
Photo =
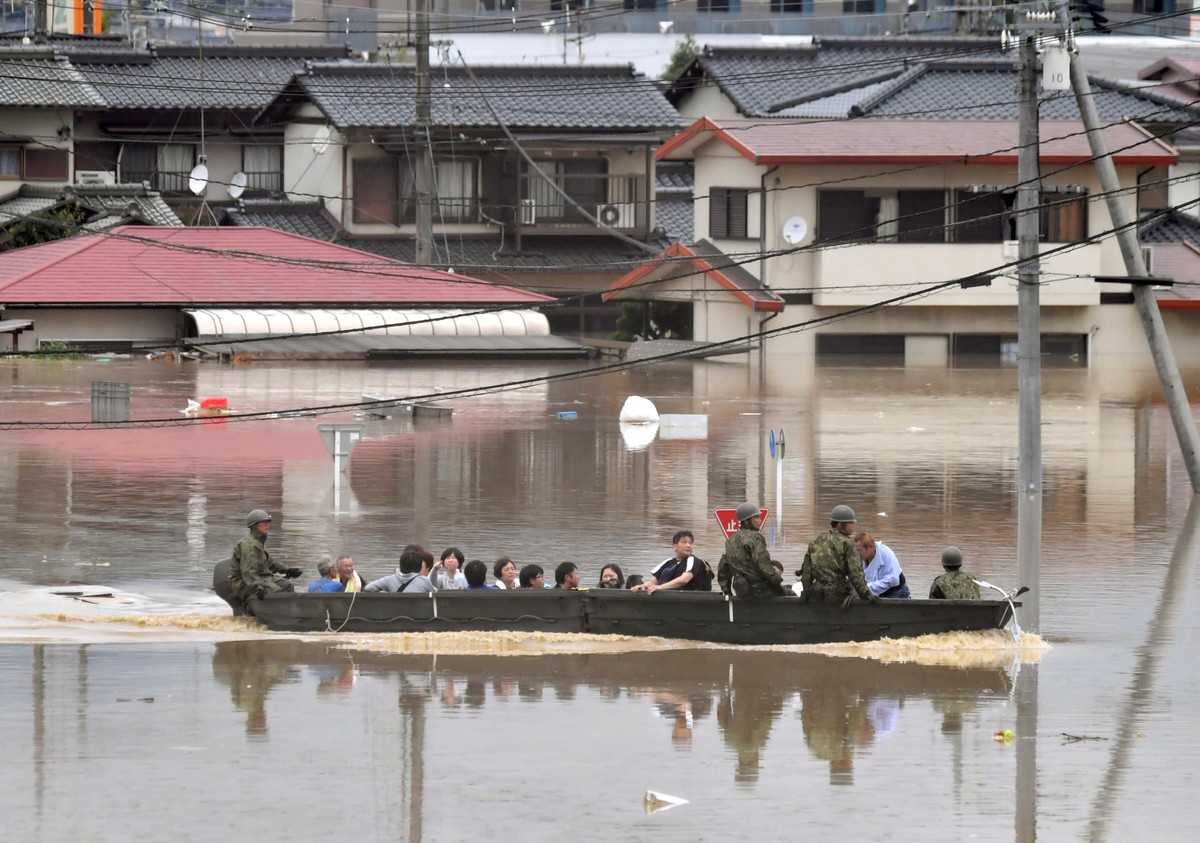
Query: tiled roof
1172 227
680 259
870 141
28 78
179 77
757 78
210 266
913 78
674 177
112 204
677 218
569 97
538 254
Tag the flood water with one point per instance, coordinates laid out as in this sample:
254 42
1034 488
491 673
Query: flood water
151 716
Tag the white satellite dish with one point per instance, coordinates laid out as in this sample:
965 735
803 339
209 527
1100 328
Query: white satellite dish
795 230
320 141
237 185
198 179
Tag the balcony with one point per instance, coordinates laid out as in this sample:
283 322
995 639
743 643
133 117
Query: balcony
618 201
853 274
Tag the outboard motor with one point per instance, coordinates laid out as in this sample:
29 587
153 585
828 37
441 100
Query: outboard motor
225 591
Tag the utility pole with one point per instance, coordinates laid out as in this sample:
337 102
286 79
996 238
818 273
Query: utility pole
1135 267
1029 335
424 173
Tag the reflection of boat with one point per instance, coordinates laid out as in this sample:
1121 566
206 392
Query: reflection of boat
695 616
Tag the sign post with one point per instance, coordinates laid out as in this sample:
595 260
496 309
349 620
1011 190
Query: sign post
727 518
340 440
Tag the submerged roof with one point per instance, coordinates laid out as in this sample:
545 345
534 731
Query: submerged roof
111 205
140 266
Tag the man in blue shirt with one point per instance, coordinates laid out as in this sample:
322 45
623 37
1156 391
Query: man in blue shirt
881 567
329 580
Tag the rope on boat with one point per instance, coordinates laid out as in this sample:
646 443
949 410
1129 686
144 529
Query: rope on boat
349 609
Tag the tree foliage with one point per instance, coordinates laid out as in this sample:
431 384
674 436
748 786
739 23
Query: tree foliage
653 320
686 50
44 226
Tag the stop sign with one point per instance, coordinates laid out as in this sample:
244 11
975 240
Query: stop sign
727 518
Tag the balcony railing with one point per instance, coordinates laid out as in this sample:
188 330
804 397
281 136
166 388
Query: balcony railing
617 201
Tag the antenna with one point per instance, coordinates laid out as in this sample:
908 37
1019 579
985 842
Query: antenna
795 230
237 185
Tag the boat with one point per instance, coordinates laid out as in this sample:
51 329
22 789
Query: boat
695 616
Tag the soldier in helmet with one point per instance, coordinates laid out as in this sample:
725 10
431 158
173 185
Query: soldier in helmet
745 568
955 584
832 571
251 568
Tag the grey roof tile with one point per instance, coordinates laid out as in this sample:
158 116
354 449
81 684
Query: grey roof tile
1172 227
522 97
676 216
113 204
307 219
29 79
674 177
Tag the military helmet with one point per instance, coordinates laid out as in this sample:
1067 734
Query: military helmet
841 512
255 516
746 511
952 557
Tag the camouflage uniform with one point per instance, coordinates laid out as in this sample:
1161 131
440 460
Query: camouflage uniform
251 567
745 568
832 570
954 585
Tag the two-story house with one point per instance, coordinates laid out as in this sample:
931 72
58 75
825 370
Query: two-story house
543 176
837 216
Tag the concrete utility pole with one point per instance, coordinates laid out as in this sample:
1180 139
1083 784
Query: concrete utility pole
424 173
1029 337
1135 267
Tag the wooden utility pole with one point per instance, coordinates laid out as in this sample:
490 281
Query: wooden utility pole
1029 337
424 173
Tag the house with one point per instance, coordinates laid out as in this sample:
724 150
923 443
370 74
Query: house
259 292
86 207
840 218
544 176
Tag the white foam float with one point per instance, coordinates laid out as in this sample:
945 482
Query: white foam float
638 410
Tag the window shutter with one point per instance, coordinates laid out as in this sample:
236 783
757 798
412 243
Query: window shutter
738 202
718 212
376 183
47 164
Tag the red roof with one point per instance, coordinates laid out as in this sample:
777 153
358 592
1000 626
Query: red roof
228 266
879 141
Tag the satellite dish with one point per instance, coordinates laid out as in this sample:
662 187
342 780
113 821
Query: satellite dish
198 179
237 185
320 141
795 230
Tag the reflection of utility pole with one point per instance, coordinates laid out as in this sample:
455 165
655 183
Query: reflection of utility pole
424 173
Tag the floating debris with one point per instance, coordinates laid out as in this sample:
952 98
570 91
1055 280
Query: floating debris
654 801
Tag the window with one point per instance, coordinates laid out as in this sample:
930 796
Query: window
1153 7
990 217
454 191
10 162
263 166
1060 351
165 166
791 6
641 5
376 183
714 5
889 216
35 164
858 7
584 180
727 212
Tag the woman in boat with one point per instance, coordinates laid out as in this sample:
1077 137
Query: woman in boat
611 577
505 572
532 576
451 576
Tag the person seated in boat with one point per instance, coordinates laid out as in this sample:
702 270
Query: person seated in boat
449 575
832 571
252 570
881 567
413 577
351 579
329 579
611 576
955 584
532 576
633 581
682 571
505 572
566 576
745 568
476 573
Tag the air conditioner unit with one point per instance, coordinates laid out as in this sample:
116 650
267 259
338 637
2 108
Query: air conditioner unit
528 211
617 214
95 177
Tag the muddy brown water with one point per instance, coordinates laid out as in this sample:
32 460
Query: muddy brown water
160 720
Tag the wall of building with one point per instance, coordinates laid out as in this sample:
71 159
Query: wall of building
41 126
142 325
312 160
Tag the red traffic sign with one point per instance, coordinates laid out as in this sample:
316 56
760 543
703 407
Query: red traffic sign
727 518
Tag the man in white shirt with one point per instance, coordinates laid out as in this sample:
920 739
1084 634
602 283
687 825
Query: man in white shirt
880 567
681 571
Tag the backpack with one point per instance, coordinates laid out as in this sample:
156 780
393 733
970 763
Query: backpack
702 576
